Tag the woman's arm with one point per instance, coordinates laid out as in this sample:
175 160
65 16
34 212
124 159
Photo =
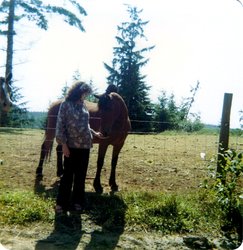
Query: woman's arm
97 134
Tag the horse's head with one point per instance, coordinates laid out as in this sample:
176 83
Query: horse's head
106 113
5 101
113 113
105 102
111 88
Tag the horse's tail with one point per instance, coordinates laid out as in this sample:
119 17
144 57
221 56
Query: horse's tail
50 129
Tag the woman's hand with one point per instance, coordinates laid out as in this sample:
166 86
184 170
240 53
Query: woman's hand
99 135
65 150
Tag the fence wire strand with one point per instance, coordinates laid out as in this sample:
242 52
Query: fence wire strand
150 158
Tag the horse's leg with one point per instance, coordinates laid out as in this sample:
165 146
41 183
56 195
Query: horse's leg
100 162
59 160
112 180
39 169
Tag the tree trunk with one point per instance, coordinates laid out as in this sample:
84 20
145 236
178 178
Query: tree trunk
9 59
10 35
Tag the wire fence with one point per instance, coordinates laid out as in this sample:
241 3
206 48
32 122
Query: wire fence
166 161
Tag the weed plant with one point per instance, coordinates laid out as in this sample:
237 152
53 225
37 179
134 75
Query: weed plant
224 182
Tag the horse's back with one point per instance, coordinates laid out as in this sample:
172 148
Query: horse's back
52 120
92 108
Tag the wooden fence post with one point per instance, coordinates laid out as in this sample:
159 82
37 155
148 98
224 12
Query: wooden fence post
224 132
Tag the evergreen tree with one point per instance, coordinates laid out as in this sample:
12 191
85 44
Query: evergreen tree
170 116
166 113
125 71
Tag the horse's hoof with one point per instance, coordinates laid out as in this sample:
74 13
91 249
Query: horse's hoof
59 173
97 186
114 188
98 190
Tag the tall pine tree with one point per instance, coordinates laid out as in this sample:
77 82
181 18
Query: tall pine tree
125 71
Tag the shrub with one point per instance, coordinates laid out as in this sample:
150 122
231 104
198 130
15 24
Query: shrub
225 185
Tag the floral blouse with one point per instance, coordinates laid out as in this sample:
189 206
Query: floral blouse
73 125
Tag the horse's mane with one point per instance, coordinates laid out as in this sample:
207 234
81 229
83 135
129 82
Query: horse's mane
122 103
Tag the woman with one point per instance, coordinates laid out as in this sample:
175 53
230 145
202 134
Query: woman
75 135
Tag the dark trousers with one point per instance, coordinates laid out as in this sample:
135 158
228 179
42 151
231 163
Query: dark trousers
72 184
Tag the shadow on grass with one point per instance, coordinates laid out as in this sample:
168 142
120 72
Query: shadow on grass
66 234
98 227
43 191
107 211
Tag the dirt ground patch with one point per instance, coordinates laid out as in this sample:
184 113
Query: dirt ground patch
91 237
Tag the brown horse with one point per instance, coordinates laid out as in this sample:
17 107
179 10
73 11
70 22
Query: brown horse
110 117
5 102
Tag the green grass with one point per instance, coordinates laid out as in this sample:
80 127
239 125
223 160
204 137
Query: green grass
134 211
172 213
22 208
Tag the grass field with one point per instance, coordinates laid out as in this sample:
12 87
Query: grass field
152 170
161 162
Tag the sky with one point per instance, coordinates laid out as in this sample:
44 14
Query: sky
195 40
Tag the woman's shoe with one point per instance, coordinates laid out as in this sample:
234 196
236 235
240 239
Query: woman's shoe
77 207
59 209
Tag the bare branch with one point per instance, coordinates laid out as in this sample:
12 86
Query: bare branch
240 2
